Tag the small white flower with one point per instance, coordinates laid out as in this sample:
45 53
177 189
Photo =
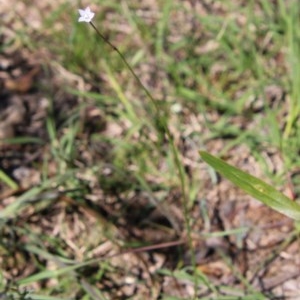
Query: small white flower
86 15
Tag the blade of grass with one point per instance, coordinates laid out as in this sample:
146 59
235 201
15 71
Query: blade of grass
23 140
8 181
254 187
32 196
43 297
119 91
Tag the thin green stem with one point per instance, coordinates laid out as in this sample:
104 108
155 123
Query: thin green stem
175 151
127 65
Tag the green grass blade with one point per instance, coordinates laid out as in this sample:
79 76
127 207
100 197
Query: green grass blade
119 91
43 297
254 187
23 140
8 181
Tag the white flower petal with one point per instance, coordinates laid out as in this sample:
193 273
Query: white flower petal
86 15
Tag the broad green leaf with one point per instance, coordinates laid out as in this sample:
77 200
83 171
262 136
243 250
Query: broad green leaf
254 187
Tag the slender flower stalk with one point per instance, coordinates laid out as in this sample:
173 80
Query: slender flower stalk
85 16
